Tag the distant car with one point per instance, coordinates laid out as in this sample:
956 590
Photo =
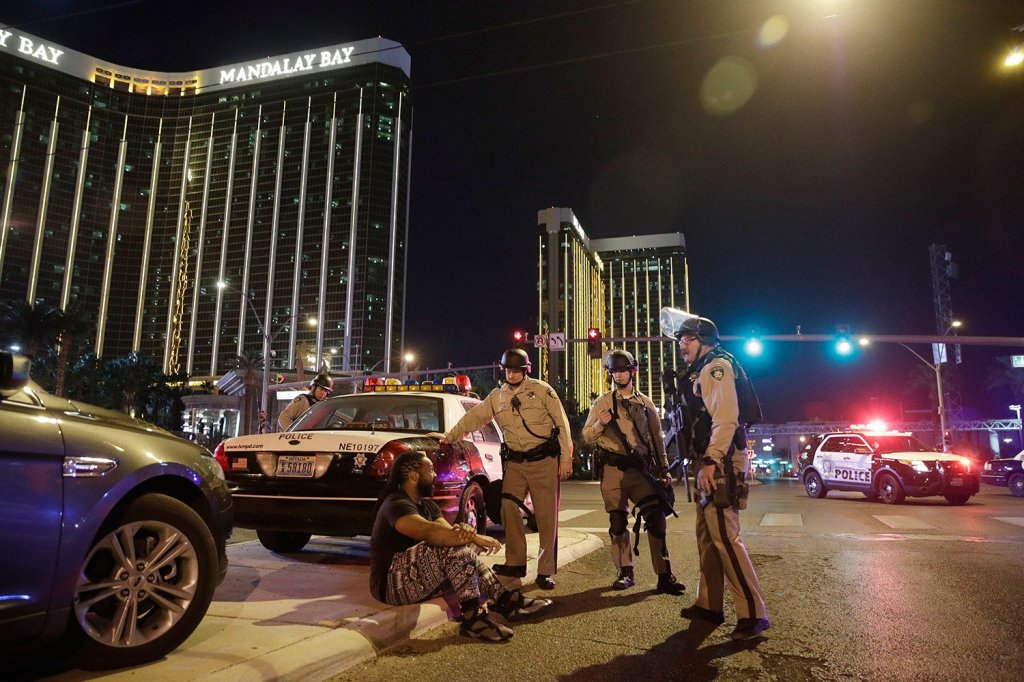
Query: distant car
1006 472
323 475
113 529
888 466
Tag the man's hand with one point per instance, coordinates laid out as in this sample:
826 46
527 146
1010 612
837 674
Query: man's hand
488 544
465 532
605 416
706 479
564 471
667 480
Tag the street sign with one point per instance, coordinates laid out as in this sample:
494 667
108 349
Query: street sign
556 341
540 341
1018 360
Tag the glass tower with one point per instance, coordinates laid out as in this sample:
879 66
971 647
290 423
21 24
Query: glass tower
133 193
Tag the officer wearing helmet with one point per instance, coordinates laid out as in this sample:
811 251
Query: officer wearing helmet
319 388
720 404
622 478
537 454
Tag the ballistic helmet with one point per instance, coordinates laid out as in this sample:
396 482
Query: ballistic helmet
619 359
516 358
704 329
323 380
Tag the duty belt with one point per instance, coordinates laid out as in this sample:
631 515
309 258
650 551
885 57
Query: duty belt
536 454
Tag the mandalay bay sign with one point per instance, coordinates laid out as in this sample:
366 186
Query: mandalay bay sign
287 65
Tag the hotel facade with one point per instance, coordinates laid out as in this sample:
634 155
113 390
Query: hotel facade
132 193
618 285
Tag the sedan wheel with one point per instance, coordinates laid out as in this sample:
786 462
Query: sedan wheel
957 500
144 585
472 510
812 483
1016 485
889 489
282 541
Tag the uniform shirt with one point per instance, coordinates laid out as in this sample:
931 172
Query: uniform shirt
540 409
296 407
716 386
639 410
386 542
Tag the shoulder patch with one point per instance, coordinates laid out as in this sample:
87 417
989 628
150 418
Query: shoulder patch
717 373
551 393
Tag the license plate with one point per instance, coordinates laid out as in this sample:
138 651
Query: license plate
956 481
295 466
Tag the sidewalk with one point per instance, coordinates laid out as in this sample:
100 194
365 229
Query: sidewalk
304 617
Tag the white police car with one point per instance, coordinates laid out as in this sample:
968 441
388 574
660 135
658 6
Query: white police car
888 466
323 475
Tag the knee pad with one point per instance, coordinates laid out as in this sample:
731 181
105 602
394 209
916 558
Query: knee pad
655 522
618 522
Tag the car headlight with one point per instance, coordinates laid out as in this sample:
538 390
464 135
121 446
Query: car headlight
917 465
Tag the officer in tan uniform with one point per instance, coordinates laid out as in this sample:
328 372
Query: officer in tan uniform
319 388
721 461
622 480
537 454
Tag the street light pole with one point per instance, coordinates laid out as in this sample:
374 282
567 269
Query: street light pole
1020 425
937 368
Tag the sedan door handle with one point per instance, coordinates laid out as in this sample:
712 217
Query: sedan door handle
847 459
489 458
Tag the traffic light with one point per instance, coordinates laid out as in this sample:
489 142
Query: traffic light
518 337
753 346
594 343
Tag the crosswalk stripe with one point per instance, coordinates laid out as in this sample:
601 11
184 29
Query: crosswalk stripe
908 522
569 514
782 520
1015 520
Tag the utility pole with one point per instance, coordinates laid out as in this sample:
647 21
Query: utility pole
943 270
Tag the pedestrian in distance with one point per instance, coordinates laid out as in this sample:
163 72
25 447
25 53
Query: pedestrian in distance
264 426
319 388
720 404
625 426
416 555
536 456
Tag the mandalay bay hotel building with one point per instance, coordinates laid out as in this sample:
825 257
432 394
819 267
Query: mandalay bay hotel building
132 193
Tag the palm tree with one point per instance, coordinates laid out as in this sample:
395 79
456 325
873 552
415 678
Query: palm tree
33 326
251 364
71 323
130 378
303 349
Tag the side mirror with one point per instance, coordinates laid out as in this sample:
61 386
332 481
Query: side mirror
14 372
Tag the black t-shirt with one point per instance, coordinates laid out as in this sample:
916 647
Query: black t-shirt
386 542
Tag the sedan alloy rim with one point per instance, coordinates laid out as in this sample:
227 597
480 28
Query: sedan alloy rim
136 584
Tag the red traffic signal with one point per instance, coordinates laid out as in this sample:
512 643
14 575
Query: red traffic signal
594 343
519 337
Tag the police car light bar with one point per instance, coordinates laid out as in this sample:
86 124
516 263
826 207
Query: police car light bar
456 384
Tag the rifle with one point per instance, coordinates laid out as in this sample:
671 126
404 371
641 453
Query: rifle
677 437
666 496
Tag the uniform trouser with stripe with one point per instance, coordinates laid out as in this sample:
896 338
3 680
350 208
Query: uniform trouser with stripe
618 488
426 571
724 560
540 480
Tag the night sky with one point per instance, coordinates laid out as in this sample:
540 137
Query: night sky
809 160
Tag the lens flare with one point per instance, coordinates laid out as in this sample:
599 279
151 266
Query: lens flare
773 31
728 86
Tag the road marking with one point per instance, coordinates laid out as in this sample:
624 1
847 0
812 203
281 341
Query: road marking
905 522
569 514
1015 520
782 520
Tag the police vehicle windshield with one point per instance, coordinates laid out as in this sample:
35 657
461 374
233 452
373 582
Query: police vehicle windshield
896 443
373 412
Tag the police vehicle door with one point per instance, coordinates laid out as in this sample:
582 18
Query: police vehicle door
852 465
831 450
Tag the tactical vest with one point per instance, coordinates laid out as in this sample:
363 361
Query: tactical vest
700 420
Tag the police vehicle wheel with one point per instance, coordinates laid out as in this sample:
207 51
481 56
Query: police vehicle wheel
890 490
282 541
472 509
1016 485
957 499
812 483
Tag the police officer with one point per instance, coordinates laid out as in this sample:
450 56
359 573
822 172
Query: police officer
622 480
319 388
721 463
537 454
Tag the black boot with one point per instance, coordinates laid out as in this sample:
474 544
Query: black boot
510 571
667 584
625 579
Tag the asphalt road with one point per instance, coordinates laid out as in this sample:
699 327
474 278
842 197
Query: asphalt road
855 590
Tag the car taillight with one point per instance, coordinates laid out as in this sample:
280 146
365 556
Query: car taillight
386 457
967 463
222 459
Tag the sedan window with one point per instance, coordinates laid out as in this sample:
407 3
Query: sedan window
372 412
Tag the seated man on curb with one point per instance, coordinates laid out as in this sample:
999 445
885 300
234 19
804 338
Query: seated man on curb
415 555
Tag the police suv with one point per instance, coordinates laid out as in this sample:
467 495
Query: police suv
323 475
888 466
